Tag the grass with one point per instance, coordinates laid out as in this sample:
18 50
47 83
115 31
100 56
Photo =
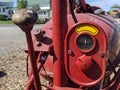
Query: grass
10 21
6 22
41 21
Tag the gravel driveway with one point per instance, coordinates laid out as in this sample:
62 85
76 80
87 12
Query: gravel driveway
12 58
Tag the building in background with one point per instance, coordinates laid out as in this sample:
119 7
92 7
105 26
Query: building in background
6 8
42 7
8 3
115 11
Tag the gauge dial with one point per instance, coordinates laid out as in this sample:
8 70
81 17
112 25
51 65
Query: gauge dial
85 42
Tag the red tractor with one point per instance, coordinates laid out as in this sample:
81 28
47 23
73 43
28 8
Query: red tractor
77 50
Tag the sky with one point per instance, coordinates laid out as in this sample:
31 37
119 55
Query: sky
15 3
104 4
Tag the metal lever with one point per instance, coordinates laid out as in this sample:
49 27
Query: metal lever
25 19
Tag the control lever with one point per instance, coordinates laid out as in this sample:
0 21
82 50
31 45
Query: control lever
25 19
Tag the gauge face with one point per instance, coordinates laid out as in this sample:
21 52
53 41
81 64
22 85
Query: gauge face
85 42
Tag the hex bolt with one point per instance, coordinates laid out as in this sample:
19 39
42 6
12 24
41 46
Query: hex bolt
102 54
39 35
38 44
43 32
70 52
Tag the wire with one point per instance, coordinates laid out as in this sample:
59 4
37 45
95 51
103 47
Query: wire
72 10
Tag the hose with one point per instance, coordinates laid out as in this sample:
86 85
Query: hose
72 11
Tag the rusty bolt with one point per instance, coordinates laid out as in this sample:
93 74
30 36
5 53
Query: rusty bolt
39 35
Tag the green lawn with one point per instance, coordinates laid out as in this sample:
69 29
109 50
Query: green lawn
10 21
6 22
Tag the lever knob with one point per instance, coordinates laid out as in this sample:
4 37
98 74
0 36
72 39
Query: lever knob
25 19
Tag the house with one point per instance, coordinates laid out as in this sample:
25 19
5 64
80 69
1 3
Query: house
5 11
8 3
42 7
44 12
6 8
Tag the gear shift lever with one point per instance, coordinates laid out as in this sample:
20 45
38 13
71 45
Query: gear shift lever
25 19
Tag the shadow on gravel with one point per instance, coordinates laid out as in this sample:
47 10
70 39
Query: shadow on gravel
2 74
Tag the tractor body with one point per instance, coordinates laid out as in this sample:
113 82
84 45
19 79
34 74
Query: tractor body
77 50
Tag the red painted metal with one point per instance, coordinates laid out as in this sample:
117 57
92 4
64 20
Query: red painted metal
65 88
94 70
69 67
108 31
33 62
47 41
59 14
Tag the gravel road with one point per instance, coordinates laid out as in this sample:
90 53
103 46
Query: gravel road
12 58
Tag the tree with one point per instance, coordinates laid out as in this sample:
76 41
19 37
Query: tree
36 7
22 4
115 6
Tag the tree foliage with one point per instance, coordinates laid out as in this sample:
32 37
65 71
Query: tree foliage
22 4
35 7
115 6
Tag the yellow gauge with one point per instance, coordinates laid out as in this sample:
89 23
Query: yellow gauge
86 28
